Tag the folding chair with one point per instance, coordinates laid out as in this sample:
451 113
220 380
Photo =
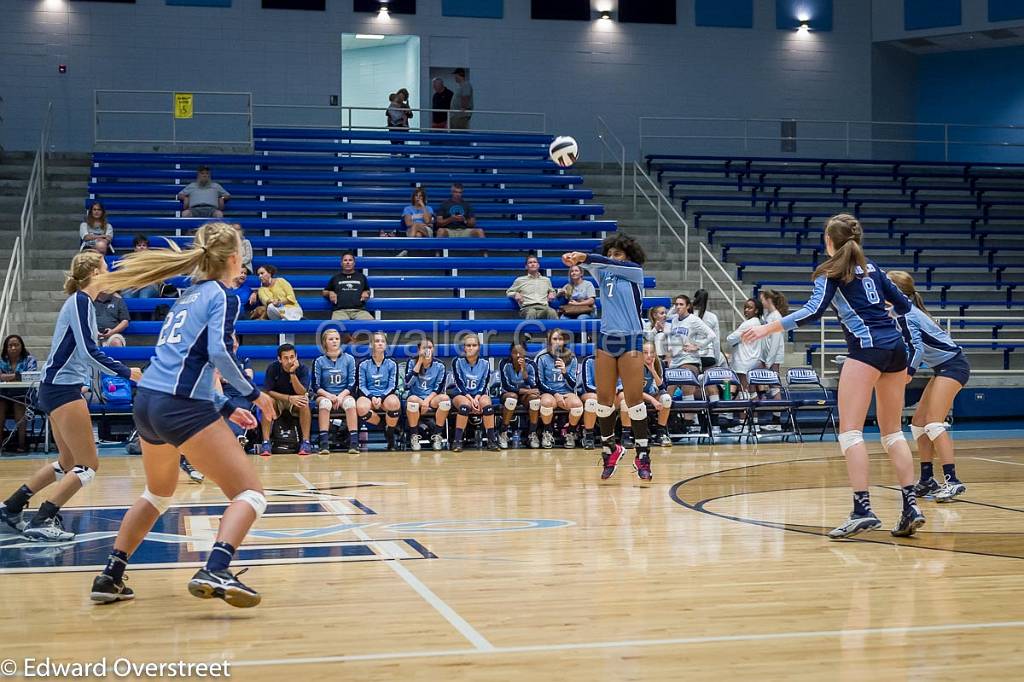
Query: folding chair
697 406
722 376
814 397
784 404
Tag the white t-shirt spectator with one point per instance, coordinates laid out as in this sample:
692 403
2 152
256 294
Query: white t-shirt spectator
775 344
106 230
746 356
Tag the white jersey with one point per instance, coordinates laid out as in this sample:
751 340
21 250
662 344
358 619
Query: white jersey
689 330
713 349
775 344
746 356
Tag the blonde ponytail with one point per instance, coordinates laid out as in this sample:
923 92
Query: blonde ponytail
905 283
205 259
846 234
83 266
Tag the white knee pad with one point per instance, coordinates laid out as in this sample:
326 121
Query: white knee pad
511 403
604 411
534 404
159 503
58 472
84 473
891 439
917 432
348 403
254 499
547 411
666 401
444 405
847 439
576 412
324 403
590 405
935 429
638 412
413 407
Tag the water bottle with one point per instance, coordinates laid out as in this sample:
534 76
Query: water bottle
363 436
515 439
727 391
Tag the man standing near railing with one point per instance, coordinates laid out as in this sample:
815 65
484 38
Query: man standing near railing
441 102
462 101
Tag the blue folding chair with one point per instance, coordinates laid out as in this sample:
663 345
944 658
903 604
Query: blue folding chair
698 406
772 397
813 397
721 377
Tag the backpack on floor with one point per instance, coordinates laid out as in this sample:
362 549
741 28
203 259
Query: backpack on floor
284 438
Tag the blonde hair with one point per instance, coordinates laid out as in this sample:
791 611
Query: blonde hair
846 234
905 283
205 259
83 266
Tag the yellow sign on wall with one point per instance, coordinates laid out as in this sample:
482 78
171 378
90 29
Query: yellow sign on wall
183 105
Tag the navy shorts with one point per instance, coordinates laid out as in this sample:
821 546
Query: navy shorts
52 396
162 418
885 360
620 344
956 368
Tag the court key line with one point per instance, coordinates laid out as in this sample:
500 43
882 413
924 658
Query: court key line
625 644
998 461
442 607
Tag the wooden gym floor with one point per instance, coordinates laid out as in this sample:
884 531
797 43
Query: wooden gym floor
490 566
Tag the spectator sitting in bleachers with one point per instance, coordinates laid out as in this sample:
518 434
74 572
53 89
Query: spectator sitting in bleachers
455 217
243 291
235 398
348 291
95 232
578 296
111 319
14 361
203 198
287 382
275 296
418 216
141 243
533 293
333 387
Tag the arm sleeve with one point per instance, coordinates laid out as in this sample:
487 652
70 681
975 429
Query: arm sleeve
80 328
899 300
734 339
392 377
912 337
122 310
624 269
289 293
503 367
410 375
108 232
361 378
333 282
540 362
83 229
302 374
222 193
512 290
572 374
460 382
438 385
314 381
350 374
223 312
817 304
268 377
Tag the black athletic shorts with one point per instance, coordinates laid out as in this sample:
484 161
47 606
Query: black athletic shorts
885 360
163 418
956 368
52 396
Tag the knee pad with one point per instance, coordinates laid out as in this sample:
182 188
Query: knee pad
413 407
394 414
256 500
917 431
511 403
464 410
590 405
935 429
488 410
58 472
84 473
534 404
891 439
444 405
324 403
666 401
547 411
576 412
159 503
848 439
604 411
348 403
638 412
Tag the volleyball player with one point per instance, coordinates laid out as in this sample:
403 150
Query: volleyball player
471 375
557 373
655 395
518 377
619 354
74 356
877 362
424 379
332 385
934 347
378 381
178 410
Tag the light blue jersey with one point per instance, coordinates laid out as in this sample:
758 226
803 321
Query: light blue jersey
74 354
932 345
334 376
551 379
471 379
428 380
651 388
620 286
587 383
512 380
377 381
194 340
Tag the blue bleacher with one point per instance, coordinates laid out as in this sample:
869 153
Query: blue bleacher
339 244
288 263
108 189
173 225
450 283
101 159
166 206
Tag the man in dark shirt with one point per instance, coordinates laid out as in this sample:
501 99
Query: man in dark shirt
455 217
287 382
348 291
440 103
111 319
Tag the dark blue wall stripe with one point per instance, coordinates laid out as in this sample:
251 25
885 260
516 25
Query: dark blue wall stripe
819 13
1005 10
486 9
200 3
727 13
919 14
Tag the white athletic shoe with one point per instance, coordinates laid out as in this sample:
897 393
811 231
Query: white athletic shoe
547 441
436 441
855 525
50 530
949 491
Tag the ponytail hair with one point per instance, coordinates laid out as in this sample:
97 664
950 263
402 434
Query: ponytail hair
778 300
905 283
846 234
83 266
205 259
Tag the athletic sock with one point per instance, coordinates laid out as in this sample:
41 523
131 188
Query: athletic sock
220 557
909 498
927 470
47 510
492 436
17 502
861 503
458 434
116 563
533 427
949 471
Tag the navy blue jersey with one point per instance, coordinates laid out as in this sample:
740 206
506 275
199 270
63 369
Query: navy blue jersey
377 381
620 286
469 379
429 379
334 376
931 344
195 339
73 352
586 382
512 380
860 305
229 390
551 379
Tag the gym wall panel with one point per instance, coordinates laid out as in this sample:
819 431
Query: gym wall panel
724 13
484 9
922 14
1005 10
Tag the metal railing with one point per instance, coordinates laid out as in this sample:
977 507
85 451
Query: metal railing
644 186
608 138
822 137
728 289
16 267
374 118
148 117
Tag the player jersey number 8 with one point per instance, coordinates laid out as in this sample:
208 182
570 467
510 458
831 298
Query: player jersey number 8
870 290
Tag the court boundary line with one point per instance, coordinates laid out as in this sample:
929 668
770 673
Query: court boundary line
625 644
479 642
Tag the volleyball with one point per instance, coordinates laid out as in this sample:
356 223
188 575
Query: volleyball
563 151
